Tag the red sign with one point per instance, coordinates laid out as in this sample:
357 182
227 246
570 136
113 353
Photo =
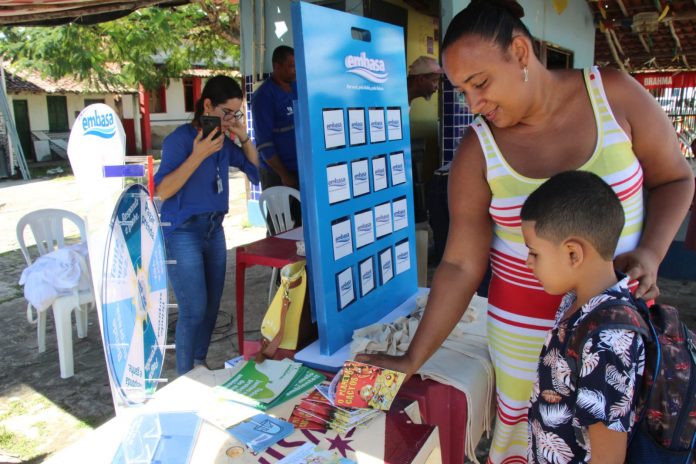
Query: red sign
667 80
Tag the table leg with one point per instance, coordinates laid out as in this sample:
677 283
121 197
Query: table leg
239 290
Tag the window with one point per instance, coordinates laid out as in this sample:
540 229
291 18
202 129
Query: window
92 101
558 58
158 100
188 94
553 56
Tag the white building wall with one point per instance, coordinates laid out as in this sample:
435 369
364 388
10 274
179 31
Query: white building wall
38 108
573 29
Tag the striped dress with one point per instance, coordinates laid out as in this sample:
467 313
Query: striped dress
519 311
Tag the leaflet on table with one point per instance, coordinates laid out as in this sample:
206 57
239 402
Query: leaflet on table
317 412
309 453
268 384
261 431
367 386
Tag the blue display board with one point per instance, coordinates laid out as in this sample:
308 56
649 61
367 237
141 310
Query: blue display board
354 154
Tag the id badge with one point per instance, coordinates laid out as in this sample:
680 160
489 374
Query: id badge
219 185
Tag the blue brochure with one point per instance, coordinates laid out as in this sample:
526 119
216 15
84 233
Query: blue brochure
261 431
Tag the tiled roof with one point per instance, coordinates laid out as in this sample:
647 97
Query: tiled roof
32 81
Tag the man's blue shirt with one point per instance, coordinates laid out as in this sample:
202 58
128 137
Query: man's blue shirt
200 192
274 124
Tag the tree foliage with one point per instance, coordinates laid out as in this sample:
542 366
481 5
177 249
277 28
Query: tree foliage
147 47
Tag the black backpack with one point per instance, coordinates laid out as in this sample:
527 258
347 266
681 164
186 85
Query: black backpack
665 431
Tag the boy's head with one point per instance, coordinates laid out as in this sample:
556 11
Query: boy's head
570 210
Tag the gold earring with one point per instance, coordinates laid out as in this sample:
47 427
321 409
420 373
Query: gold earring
525 71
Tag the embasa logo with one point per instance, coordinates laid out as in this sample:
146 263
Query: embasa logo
394 123
101 125
379 172
335 127
357 126
398 168
377 125
383 219
387 265
338 182
370 69
346 287
367 276
360 177
402 256
365 228
343 239
399 214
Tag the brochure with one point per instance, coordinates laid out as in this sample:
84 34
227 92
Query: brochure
268 384
316 412
309 453
366 386
261 431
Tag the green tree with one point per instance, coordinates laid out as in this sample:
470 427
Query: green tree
146 47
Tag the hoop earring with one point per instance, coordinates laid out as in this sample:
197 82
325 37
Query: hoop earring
525 71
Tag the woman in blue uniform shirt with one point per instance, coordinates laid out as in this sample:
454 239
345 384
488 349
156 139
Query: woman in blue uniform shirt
192 181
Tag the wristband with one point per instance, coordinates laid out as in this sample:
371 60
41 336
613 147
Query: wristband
244 141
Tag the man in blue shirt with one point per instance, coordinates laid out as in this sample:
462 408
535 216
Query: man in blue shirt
274 126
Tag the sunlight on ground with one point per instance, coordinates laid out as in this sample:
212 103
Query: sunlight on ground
25 416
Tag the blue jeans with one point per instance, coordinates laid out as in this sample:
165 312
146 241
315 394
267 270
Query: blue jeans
198 278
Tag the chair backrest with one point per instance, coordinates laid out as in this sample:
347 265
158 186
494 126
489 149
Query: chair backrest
47 227
275 207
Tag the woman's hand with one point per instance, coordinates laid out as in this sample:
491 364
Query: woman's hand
204 147
640 264
395 363
238 128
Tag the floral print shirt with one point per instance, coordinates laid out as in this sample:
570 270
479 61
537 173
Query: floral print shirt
563 406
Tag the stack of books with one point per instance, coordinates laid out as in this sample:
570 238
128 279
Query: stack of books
359 393
318 412
263 386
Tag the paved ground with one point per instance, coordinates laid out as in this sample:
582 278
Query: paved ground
40 412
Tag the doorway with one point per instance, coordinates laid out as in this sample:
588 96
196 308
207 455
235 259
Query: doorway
21 116
57 113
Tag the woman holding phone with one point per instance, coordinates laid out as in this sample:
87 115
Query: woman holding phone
192 182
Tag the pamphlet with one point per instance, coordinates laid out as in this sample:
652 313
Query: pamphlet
366 386
317 412
268 384
261 431
309 453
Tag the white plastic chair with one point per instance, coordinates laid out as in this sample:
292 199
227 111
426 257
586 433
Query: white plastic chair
47 227
275 209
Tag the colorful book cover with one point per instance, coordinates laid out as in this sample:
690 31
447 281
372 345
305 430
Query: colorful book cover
261 431
306 421
366 386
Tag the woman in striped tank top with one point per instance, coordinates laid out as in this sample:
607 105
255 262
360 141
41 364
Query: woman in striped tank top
535 123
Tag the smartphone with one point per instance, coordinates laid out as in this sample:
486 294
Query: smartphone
208 123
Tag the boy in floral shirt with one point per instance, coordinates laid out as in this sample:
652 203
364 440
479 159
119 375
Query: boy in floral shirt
571 225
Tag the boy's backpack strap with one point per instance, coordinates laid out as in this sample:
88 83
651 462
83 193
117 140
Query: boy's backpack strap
613 314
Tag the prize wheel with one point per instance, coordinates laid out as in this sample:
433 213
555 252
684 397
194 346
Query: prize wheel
134 296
